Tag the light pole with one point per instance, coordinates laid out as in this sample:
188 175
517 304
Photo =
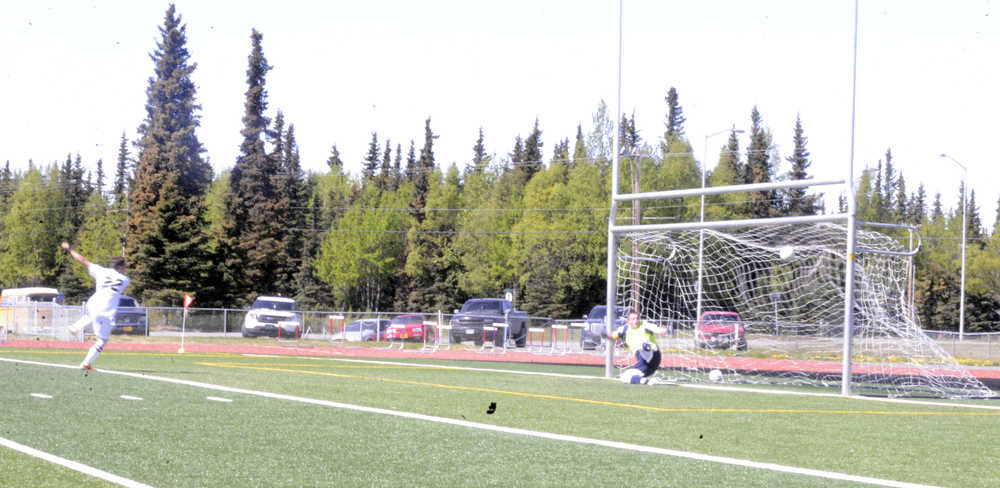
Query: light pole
961 298
701 232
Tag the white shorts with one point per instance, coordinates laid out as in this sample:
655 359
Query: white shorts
102 327
100 324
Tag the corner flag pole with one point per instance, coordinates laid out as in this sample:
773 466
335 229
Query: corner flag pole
187 303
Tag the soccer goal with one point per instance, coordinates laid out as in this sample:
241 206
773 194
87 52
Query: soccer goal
764 303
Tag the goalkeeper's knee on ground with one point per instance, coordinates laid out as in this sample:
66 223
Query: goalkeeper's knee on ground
631 376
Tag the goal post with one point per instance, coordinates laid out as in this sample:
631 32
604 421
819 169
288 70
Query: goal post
808 301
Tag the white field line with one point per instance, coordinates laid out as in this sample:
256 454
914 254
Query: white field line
42 396
217 399
514 430
682 385
83 468
130 397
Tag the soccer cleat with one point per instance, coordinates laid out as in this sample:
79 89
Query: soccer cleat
86 367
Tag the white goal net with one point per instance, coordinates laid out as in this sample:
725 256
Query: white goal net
771 299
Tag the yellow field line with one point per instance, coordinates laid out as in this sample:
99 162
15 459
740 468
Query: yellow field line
595 402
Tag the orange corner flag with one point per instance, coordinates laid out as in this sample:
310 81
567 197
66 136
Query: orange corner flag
187 301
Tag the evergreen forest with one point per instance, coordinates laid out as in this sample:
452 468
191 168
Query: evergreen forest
411 234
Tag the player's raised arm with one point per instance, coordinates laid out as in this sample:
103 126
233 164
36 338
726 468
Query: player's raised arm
77 256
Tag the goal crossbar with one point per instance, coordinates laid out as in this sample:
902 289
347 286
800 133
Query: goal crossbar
718 190
722 224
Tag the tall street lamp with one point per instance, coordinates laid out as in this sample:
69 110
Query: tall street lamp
701 232
961 299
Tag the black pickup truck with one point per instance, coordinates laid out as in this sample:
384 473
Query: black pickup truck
468 323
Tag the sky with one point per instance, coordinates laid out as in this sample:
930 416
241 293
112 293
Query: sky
75 74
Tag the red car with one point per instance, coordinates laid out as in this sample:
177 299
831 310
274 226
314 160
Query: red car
721 330
407 327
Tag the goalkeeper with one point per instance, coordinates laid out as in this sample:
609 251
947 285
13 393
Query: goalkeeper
640 339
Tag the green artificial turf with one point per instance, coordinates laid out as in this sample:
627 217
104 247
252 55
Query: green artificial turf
176 436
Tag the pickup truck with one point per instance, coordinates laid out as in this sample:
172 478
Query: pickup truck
476 313
593 337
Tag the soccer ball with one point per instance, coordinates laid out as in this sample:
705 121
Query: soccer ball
786 252
715 375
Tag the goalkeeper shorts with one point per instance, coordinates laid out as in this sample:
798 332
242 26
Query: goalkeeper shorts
647 361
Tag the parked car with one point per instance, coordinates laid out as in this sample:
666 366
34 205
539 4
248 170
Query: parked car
477 313
406 327
364 330
593 337
130 318
720 330
269 314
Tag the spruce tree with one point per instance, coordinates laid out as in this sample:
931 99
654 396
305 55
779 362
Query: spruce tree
560 154
397 168
71 177
901 211
369 167
760 204
411 164
889 183
253 234
629 135
517 155
729 171
479 153
123 177
532 153
996 222
580 147
311 293
675 117
286 208
974 224
797 202
99 177
937 213
432 265
875 197
385 175
334 162
166 243
918 206
6 187
425 165
275 136
731 159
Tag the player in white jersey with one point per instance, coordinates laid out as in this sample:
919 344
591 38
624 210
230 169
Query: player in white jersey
101 307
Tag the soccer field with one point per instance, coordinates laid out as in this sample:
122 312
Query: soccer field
164 419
